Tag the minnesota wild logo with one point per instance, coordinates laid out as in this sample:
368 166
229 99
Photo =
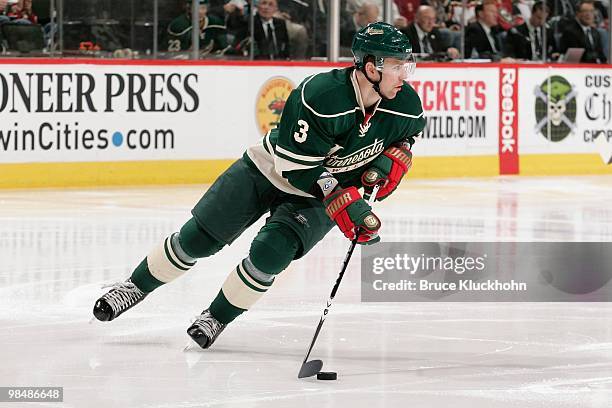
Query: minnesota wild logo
271 100
555 108
374 31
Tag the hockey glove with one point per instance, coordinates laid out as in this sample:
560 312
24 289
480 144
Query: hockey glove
351 212
388 170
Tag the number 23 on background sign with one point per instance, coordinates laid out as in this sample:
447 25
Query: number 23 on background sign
302 134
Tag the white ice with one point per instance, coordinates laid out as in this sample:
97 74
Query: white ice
58 247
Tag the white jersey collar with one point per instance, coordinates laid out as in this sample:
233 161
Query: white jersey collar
358 94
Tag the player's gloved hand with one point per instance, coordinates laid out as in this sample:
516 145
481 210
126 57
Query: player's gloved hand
351 212
387 170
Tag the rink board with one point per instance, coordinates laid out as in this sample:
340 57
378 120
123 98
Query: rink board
88 122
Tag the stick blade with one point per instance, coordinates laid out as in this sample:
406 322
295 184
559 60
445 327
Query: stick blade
310 368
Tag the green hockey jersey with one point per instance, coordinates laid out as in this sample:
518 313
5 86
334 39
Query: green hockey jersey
324 128
212 34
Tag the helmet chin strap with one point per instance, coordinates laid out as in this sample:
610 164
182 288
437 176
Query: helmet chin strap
375 84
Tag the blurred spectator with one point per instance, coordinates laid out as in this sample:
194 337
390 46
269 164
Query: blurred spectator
237 25
212 31
298 11
456 13
523 7
20 11
270 33
408 8
3 17
601 13
306 25
562 8
367 13
425 37
581 33
352 6
526 40
295 12
219 8
233 6
481 39
298 40
601 24
443 11
507 15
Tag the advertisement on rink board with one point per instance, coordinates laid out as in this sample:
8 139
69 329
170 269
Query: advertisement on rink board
461 115
113 113
74 113
92 113
508 121
564 111
461 111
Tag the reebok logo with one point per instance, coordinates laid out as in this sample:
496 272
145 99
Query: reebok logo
508 121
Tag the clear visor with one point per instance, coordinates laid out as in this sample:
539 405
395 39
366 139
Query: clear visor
399 68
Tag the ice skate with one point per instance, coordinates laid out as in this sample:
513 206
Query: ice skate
205 329
120 298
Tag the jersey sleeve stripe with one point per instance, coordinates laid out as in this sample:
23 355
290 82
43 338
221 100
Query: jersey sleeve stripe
335 115
185 31
281 165
400 113
300 157
302 162
266 143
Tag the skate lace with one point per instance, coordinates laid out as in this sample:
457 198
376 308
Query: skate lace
122 295
208 324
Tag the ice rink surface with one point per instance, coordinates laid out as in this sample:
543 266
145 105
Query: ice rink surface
57 248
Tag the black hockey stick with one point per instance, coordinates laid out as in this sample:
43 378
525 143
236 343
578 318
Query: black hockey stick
312 367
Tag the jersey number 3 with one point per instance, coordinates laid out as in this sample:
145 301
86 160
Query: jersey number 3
301 135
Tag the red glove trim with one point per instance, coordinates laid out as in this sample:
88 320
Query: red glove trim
401 157
343 199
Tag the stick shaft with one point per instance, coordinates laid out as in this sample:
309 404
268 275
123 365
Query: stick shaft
347 259
333 294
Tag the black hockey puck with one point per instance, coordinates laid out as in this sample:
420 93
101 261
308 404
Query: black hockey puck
327 375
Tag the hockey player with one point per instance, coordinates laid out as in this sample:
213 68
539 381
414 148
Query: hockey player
336 126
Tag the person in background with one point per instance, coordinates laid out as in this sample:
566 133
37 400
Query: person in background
562 8
399 21
270 32
443 11
293 12
3 17
526 41
20 11
581 33
507 15
425 37
407 9
212 31
366 14
481 40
